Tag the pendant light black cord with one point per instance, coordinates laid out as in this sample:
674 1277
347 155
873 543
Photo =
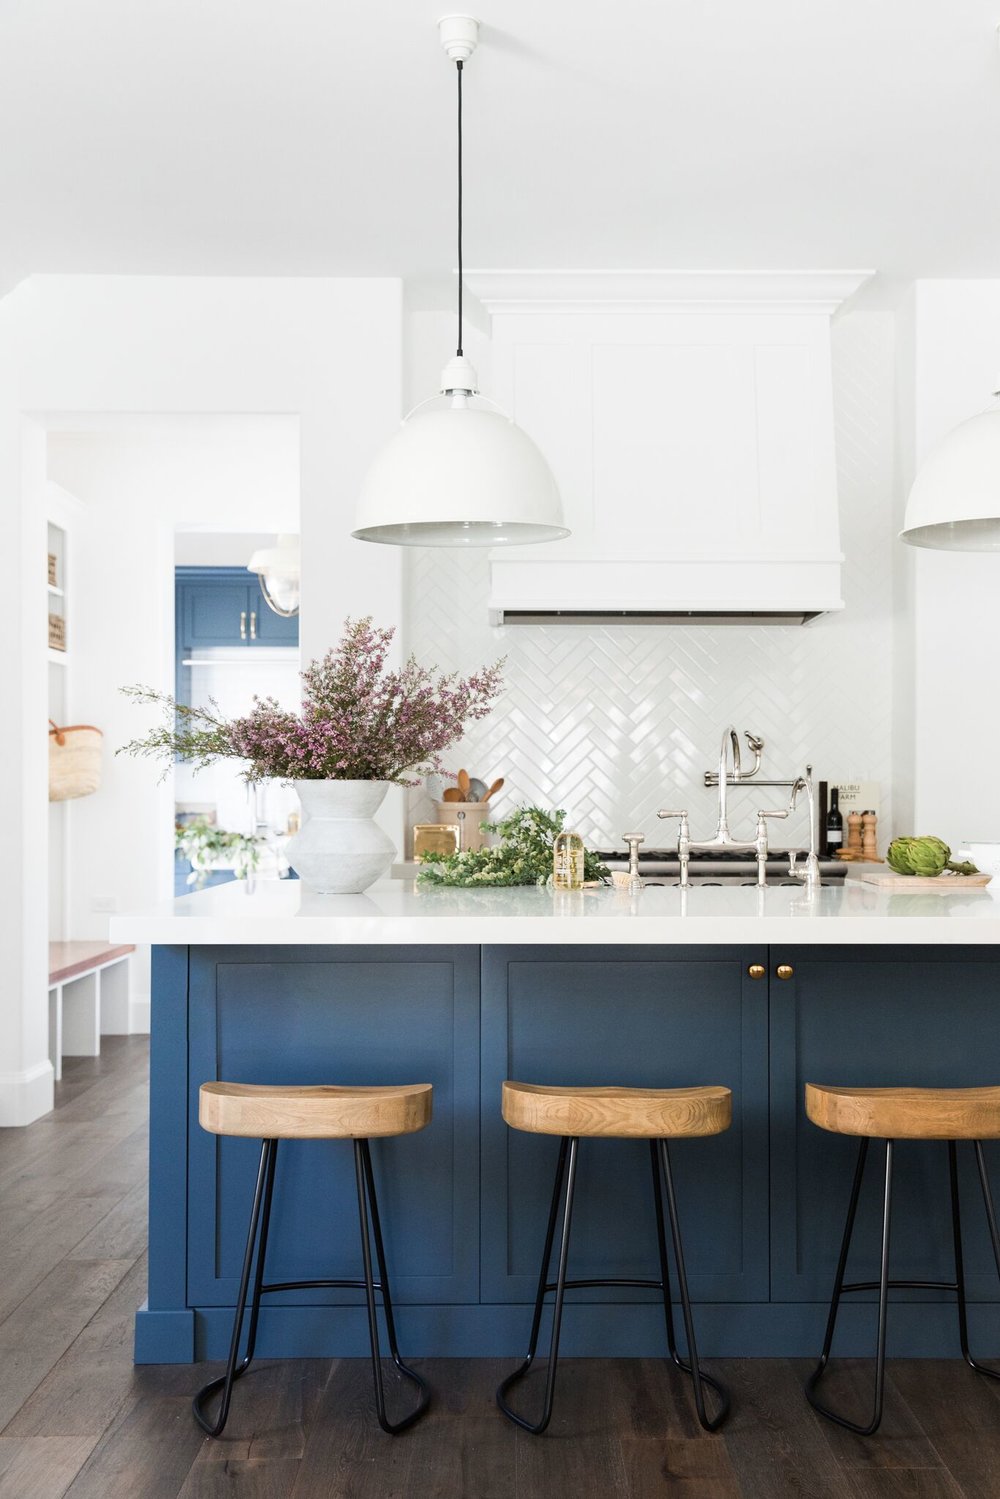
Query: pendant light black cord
459 350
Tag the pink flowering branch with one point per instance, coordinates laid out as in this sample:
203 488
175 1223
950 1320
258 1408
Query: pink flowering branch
359 721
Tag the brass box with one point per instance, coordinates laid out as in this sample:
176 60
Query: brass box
435 838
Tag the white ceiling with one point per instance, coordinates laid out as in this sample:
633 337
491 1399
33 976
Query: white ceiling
313 137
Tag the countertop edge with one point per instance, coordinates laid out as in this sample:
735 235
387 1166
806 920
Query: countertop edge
551 932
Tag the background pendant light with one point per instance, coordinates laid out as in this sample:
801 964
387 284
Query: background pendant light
954 505
459 475
279 570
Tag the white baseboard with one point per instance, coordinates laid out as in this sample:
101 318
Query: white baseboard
26 1096
138 1017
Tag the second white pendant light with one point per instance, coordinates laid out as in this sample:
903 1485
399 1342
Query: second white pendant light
954 505
459 474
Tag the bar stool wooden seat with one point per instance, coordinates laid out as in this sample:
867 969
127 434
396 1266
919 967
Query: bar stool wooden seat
653 1114
271 1114
890 1114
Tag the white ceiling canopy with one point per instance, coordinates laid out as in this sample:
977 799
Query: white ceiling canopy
312 137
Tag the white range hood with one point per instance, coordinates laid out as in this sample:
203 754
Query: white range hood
688 419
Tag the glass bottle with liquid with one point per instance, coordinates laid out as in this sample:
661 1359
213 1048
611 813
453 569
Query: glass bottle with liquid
567 862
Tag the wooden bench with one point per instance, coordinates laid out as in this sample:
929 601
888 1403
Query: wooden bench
86 979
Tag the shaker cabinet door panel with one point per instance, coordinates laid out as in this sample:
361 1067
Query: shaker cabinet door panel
631 1017
317 1015
877 1017
214 614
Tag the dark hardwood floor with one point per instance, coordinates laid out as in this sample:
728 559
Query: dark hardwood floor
77 1418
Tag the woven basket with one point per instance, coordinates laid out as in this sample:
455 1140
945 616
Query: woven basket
74 760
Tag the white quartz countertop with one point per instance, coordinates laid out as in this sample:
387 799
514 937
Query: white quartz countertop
398 911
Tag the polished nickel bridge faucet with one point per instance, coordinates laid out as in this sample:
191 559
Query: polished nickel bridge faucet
731 773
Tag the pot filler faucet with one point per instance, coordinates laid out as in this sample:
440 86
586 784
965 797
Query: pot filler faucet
731 773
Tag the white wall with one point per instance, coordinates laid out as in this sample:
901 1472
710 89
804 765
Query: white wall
225 549
903 572
25 1070
957 704
325 352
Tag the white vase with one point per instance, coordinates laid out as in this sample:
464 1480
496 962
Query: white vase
340 849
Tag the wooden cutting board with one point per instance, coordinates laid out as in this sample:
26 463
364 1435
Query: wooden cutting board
941 883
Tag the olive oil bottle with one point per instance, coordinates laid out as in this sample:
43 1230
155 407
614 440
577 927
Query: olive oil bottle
567 862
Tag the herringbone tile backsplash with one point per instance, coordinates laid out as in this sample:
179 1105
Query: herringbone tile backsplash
612 723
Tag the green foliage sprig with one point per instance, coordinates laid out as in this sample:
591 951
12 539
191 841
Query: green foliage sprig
524 857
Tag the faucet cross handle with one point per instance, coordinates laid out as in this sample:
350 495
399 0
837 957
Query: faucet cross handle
684 831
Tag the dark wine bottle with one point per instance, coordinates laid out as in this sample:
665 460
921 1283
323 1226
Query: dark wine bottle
834 822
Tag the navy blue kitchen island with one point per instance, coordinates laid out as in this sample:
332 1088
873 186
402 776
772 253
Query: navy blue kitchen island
464 1202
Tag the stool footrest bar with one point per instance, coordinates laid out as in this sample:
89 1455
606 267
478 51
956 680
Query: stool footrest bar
590 1285
901 1285
320 1285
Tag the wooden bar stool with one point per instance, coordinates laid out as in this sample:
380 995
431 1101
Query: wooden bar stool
321 1113
892 1114
653 1114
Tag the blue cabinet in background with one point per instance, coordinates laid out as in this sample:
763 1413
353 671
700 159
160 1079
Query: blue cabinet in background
223 606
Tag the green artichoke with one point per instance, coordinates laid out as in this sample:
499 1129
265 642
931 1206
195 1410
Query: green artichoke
927 857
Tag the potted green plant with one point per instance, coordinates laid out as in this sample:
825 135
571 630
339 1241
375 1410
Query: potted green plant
207 847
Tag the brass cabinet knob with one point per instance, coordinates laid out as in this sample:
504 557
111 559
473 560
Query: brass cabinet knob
757 971
785 971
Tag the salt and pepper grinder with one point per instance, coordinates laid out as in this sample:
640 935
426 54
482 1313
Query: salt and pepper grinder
869 837
854 834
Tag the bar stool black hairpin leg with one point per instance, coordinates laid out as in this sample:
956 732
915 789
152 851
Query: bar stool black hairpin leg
367 1199
651 1114
308 1112
888 1114
991 1218
260 1216
882 1285
566 1171
660 1155
567 1149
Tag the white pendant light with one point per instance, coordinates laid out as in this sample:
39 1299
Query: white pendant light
279 570
459 475
954 505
